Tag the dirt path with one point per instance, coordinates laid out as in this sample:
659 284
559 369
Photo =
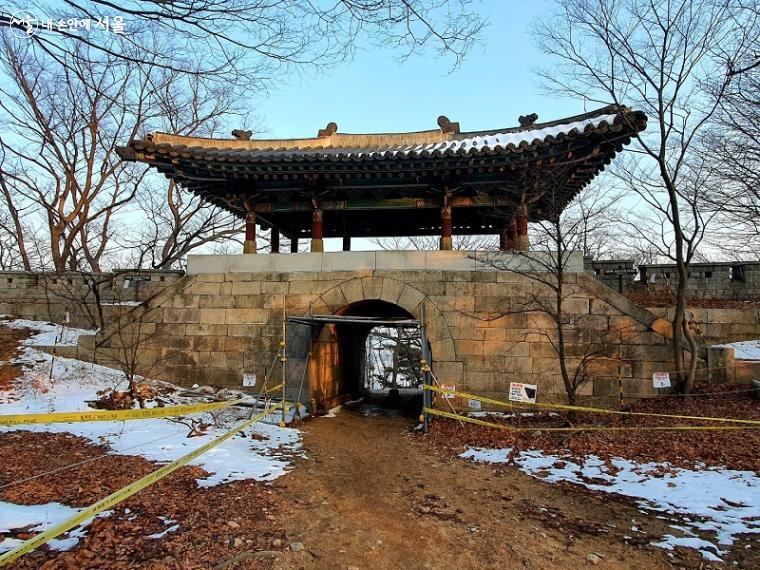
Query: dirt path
371 495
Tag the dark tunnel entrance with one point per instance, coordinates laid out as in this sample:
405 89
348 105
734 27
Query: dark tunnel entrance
370 351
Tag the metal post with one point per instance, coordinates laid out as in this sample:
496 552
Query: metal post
283 360
427 395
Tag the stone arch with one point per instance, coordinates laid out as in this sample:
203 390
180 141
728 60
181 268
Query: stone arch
445 363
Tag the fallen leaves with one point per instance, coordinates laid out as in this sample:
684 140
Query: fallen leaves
732 449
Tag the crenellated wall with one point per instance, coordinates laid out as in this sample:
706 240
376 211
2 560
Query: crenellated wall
49 296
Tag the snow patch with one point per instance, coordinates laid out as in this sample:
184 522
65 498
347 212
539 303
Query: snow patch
38 518
48 334
262 452
745 350
721 502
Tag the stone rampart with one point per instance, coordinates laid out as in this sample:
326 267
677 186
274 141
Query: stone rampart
485 327
49 296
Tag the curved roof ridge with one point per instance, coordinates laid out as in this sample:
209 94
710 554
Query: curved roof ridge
411 139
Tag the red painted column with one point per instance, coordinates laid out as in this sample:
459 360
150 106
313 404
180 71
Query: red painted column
522 243
317 230
446 241
512 234
249 246
274 240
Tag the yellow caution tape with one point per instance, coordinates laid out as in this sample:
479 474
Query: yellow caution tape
123 493
112 415
585 409
476 421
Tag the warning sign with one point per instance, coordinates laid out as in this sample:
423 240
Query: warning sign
249 379
450 388
519 392
661 379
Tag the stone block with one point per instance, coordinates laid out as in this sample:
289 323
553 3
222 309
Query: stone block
522 365
352 290
467 333
372 287
244 330
410 299
219 329
274 287
335 298
246 302
208 343
246 316
184 301
391 290
465 348
449 371
348 261
201 288
443 350
181 315
246 288
543 366
209 278
399 260
215 301
213 316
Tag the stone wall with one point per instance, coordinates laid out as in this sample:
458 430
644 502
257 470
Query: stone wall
225 318
725 280
47 296
730 280
715 326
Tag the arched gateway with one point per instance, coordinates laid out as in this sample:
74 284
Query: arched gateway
225 317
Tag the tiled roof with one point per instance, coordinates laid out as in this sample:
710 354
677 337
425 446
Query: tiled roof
334 146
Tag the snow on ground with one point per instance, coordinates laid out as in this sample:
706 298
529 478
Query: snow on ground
505 415
721 502
48 334
745 350
259 452
38 518
262 452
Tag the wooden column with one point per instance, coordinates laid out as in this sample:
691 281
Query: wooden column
317 230
446 241
249 246
294 244
274 240
522 243
512 234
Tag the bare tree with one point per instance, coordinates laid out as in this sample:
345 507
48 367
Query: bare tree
732 150
671 59
244 37
426 243
557 244
59 164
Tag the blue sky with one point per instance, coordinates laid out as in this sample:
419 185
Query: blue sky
376 93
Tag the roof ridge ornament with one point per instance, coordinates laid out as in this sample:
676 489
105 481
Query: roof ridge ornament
242 135
527 121
329 130
447 126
